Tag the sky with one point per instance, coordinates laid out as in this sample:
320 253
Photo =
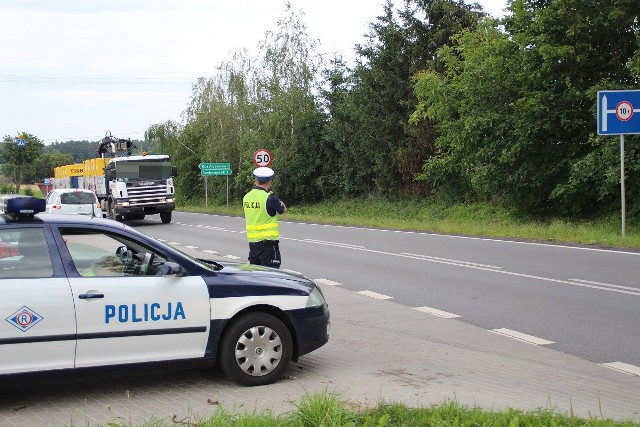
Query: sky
75 69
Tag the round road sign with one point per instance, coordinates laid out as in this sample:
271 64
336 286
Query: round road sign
262 157
624 111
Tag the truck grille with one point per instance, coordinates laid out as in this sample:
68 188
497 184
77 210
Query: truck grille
147 195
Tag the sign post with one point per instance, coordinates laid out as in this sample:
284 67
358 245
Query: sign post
622 121
208 169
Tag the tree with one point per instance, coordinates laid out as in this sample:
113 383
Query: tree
45 164
516 109
19 160
289 119
384 149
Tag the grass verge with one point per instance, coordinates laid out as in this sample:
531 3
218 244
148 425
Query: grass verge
472 219
327 410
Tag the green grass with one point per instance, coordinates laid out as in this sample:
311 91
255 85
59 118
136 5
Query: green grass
328 410
473 219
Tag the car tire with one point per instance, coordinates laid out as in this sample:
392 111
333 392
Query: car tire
165 217
255 349
112 211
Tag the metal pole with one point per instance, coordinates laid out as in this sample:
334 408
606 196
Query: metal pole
622 194
227 190
206 192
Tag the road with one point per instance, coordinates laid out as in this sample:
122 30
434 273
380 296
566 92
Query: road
581 301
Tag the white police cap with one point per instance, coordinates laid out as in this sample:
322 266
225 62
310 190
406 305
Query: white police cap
263 173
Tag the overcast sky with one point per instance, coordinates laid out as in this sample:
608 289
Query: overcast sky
73 69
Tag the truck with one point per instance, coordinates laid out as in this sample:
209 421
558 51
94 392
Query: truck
127 186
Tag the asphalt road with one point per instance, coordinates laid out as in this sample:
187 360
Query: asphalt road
581 301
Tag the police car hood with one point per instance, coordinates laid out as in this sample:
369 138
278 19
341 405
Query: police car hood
262 279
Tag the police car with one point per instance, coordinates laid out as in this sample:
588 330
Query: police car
82 291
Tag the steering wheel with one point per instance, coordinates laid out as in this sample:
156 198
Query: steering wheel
126 255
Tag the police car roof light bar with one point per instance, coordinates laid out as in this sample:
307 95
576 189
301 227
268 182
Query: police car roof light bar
22 206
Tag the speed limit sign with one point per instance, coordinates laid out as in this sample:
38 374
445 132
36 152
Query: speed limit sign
624 111
262 157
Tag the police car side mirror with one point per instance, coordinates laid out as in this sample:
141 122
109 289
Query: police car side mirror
174 171
171 269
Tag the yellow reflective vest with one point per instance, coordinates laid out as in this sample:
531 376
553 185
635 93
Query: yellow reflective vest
260 225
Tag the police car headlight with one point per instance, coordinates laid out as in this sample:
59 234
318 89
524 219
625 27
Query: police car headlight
315 298
169 200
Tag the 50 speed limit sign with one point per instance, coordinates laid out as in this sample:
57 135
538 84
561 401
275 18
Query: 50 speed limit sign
262 157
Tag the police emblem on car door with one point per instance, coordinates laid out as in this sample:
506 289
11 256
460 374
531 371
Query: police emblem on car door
126 310
37 321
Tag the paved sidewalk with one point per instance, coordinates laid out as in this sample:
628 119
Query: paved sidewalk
379 351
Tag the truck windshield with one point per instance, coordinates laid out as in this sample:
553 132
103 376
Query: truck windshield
143 170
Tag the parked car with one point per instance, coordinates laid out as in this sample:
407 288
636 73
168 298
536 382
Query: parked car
73 201
80 292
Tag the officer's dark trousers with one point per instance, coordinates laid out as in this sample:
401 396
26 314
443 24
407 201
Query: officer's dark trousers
266 253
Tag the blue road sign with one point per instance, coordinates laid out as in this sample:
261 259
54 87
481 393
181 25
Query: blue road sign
618 112
21 142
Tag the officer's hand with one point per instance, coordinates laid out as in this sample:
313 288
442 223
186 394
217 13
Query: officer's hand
284 206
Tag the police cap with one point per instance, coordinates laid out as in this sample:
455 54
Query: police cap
263 174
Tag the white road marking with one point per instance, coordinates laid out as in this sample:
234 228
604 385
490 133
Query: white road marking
454 261
374 295
327 282
161 240
199 225
465 264
633 290
209 251
486 239
190 247
174 243
477 267
342 245
232 257
437 312
521 337
623 367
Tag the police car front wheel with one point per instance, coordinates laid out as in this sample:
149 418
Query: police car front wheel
255 349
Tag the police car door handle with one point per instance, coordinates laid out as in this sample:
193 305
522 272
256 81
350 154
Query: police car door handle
90 296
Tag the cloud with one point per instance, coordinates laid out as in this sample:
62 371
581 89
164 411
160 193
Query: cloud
72 69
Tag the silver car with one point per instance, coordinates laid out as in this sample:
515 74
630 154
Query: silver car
73 201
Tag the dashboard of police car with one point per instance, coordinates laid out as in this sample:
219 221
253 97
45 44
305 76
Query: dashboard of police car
81 292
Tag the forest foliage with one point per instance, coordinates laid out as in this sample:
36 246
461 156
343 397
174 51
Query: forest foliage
441 101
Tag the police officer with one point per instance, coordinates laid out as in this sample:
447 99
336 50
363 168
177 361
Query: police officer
260 210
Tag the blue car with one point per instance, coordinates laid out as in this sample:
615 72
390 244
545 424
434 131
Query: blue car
81 291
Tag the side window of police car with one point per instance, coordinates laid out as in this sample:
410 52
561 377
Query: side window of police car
24 253
97 254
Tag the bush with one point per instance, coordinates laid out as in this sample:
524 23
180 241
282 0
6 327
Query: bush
7 189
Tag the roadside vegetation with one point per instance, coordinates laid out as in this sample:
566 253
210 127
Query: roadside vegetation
470 124
430 215
327 410
471 219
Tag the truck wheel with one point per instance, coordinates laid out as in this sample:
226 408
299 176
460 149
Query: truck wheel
165 217
112 211
255 349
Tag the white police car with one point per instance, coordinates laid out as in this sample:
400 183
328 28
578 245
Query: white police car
80 292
